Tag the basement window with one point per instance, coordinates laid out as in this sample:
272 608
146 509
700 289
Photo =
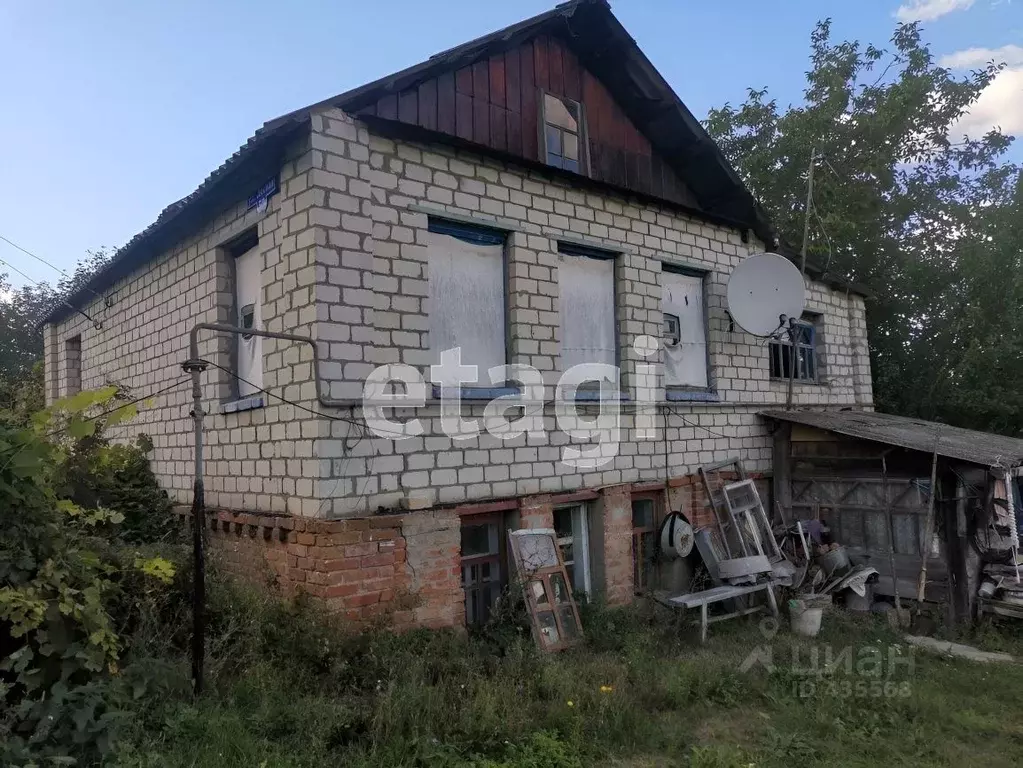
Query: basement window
483 566
571 528
644 542
563 134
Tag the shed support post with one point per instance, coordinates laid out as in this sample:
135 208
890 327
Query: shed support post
782 471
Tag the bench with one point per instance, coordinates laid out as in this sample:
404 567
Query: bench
717 595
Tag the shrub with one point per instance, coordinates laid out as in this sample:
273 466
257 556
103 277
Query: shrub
60 683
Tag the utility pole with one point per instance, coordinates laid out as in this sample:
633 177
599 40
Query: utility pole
793 327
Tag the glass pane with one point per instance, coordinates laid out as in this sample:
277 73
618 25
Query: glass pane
568 623
548 628
479 539
563 521
535 550
485 571
559 589
553 140
539 592
556 161
560 113
571 165
571 142
643 513
567 553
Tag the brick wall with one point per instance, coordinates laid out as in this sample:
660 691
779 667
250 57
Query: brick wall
381 192
394 569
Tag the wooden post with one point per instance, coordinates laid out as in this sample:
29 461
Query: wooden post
921 582
891 536
782 472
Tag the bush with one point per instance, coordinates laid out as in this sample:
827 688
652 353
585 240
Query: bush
64 592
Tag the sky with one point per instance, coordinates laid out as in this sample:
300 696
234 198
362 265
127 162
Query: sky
113 109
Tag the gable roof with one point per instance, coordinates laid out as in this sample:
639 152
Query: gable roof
603 45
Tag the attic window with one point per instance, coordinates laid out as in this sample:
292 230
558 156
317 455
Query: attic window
563 133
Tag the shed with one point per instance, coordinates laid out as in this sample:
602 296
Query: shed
849 467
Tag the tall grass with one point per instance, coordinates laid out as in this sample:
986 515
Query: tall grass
290 687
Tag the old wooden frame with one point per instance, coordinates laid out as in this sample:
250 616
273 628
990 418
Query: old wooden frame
553 612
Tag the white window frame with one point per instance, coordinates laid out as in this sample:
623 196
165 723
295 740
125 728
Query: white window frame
445 236
578 567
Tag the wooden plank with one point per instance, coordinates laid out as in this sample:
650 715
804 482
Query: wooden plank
512 79
446 103
463 116
481 81
572 73
480 120
428 104
387 107
463 81
497 81
527 81
408 106
541 63
498 127
556 70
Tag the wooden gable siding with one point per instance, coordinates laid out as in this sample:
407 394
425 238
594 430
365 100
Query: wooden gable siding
496 102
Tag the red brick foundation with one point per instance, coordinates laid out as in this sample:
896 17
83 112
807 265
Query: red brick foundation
398 569
405 569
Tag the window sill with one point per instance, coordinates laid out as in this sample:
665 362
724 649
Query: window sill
245 404
691 395
804 382
600 397
477 393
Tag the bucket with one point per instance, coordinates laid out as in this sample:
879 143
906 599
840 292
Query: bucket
805 619
862 602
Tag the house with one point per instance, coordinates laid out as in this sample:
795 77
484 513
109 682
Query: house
538 197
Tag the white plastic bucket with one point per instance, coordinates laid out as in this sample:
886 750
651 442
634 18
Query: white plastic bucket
805 619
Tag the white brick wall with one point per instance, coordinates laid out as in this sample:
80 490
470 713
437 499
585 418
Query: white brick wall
345 262
384 291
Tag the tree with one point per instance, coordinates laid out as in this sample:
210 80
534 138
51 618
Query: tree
920 216
21 339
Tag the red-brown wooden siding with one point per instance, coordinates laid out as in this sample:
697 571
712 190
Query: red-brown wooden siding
495 102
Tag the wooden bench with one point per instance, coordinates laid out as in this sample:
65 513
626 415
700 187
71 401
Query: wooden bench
717 595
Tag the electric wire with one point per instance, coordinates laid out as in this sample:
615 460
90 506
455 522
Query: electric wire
51 265
63 301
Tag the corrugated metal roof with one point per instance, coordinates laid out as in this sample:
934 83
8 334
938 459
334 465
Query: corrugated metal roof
625 68
982 448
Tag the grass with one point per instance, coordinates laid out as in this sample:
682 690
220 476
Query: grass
288 688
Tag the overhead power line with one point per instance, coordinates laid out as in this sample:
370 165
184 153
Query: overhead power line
96 323
50 264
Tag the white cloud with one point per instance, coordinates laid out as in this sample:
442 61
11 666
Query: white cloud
929 10
1000 104
975 58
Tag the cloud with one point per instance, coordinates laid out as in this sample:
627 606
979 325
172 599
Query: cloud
929 10
1000 104
1012 55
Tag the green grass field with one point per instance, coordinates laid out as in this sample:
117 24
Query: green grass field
287 689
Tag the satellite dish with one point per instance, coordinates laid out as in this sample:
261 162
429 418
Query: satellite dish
761 289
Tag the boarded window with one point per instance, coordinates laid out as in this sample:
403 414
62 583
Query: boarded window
586 286
466 290
563 133
73 365
685 330
248 286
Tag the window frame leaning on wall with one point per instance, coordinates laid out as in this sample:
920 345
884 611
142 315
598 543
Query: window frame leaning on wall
446 238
